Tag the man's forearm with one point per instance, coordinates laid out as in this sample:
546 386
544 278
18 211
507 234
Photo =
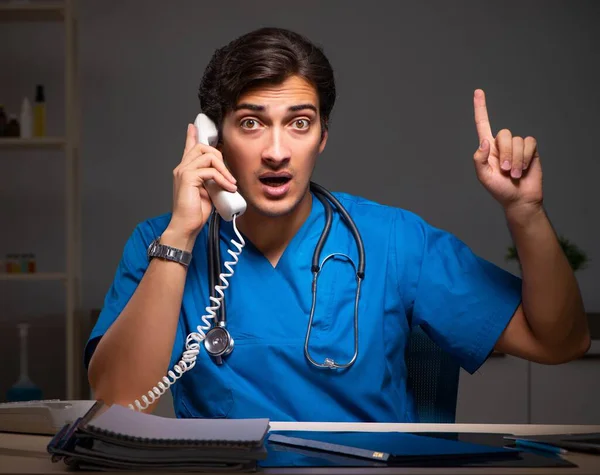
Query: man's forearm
551 298
135 352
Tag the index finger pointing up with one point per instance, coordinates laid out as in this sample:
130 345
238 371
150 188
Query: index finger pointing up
482 121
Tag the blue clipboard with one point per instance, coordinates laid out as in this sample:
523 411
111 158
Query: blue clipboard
391 448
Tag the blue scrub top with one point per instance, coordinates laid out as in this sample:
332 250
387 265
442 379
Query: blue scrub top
416 274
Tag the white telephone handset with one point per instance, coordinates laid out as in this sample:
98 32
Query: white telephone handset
227 203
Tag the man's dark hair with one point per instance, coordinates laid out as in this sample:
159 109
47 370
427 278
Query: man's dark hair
267 56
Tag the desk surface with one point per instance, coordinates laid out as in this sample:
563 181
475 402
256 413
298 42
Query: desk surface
26 454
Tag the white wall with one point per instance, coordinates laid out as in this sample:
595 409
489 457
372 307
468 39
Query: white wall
405 72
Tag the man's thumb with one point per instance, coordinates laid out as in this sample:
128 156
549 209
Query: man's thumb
483 152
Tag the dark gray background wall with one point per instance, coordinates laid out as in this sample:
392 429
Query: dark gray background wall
402 131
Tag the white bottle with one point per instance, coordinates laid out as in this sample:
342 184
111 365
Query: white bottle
26 119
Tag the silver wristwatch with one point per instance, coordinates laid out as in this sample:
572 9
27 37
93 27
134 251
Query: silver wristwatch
156 249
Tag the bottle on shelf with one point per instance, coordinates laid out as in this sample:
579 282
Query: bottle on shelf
13 129
13 264
24 389
26 119
28 263
39 112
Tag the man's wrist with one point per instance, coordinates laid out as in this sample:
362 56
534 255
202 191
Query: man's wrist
524 215
179 240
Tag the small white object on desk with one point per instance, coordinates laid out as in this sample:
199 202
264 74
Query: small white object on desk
45 417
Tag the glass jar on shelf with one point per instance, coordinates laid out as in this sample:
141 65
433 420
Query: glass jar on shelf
28 263
13 264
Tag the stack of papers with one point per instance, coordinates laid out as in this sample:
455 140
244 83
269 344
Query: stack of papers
119 438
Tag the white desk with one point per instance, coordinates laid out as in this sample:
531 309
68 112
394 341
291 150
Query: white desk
23 454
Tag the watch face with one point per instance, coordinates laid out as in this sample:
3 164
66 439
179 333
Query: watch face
152 247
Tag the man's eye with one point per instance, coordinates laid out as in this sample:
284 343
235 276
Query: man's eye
302 124
249 123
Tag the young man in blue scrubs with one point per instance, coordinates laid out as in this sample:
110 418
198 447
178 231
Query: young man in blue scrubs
271 92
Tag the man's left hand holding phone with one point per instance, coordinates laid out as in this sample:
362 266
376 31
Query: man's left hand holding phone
191 202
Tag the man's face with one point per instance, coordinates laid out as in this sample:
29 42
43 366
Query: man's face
271 141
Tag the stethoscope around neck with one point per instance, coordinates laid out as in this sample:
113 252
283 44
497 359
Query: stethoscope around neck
218 341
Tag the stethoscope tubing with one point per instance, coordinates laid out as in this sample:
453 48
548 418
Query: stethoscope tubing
325 197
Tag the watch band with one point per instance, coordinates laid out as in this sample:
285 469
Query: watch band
156 249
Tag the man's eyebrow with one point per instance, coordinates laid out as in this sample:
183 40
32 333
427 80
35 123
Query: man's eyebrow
252 107
300 107
258 108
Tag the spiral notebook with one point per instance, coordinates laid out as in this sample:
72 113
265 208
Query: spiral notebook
128 427
116 437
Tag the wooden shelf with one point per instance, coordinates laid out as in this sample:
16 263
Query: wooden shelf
62 14
33 277
32 11
35 142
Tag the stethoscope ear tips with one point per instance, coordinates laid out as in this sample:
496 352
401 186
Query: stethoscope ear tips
218 343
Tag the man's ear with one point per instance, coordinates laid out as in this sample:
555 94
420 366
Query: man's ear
323 140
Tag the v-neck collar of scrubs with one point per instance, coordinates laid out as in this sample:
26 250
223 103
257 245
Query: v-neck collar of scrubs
312 225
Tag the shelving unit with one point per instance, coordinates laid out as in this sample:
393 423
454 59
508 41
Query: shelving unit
63 12
32 12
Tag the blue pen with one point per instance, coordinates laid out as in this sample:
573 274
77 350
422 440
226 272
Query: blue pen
539 446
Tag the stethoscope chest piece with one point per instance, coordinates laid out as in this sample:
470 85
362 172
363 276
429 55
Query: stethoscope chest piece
218 343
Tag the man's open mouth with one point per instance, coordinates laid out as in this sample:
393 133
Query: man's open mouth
275 181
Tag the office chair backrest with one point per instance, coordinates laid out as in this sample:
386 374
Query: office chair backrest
432 378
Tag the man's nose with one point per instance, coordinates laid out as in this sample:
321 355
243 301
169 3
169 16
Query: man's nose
276 151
